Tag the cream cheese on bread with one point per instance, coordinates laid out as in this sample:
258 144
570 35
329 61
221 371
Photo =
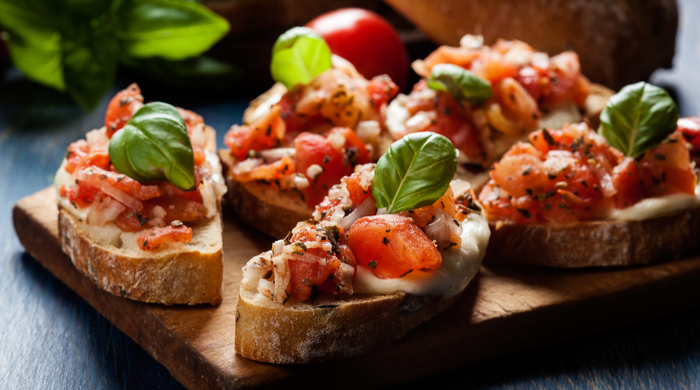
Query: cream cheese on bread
459 266
653 207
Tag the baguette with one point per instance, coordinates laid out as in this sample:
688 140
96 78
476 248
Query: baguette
96 233
310 333
190 274
595 243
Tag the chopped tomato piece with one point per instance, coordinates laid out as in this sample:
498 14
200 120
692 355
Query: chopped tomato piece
310 276
191 119
381 89
269 172
296 122
75 153
122 107
666 169
354 185
454 124
265 133
96 158
154 238
392 246
81 195
628 182
333 164
96 176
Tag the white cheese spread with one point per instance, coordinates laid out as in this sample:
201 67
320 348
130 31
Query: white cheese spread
459 266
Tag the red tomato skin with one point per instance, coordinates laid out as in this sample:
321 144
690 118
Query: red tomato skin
122 107
394 245
154 238
366 40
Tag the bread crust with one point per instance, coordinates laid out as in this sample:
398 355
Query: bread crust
190 275
595 243
269 332
267 209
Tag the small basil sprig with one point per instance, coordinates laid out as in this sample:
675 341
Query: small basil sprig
154 145
638 118
75 45
460 83
415 172
298 56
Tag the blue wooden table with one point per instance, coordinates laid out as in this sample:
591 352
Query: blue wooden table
50 338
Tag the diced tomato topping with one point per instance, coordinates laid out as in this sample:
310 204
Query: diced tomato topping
314 149
307 276
265 133
269 172
454 123
75 153
192 119
666 169
296 122
97 176
492 67
357 194
80 196
154 238
690 128
122 107
381 89
392 246
566 173
628 182
354 185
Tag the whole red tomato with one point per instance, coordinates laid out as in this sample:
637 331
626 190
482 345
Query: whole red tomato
366 40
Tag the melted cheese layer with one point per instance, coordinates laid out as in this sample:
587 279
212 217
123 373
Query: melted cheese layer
459 266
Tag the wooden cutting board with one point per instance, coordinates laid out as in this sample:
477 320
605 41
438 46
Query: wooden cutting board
502 311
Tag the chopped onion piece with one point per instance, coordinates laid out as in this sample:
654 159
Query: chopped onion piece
366 208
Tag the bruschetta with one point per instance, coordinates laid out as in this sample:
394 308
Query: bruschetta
486 98
136 226
297 142
569 198
357 275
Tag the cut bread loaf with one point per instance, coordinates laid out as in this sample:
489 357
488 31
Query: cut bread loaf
189 274
305 333
595 243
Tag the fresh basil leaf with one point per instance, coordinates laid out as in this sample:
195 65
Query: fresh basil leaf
167 28
192 73
154 145
89 66
298 56
460 83
638 118
414 172
33 40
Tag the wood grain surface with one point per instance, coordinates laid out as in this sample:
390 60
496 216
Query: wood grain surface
503 311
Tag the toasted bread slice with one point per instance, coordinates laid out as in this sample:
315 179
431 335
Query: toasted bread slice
190 274
595 243
305 333
261 205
